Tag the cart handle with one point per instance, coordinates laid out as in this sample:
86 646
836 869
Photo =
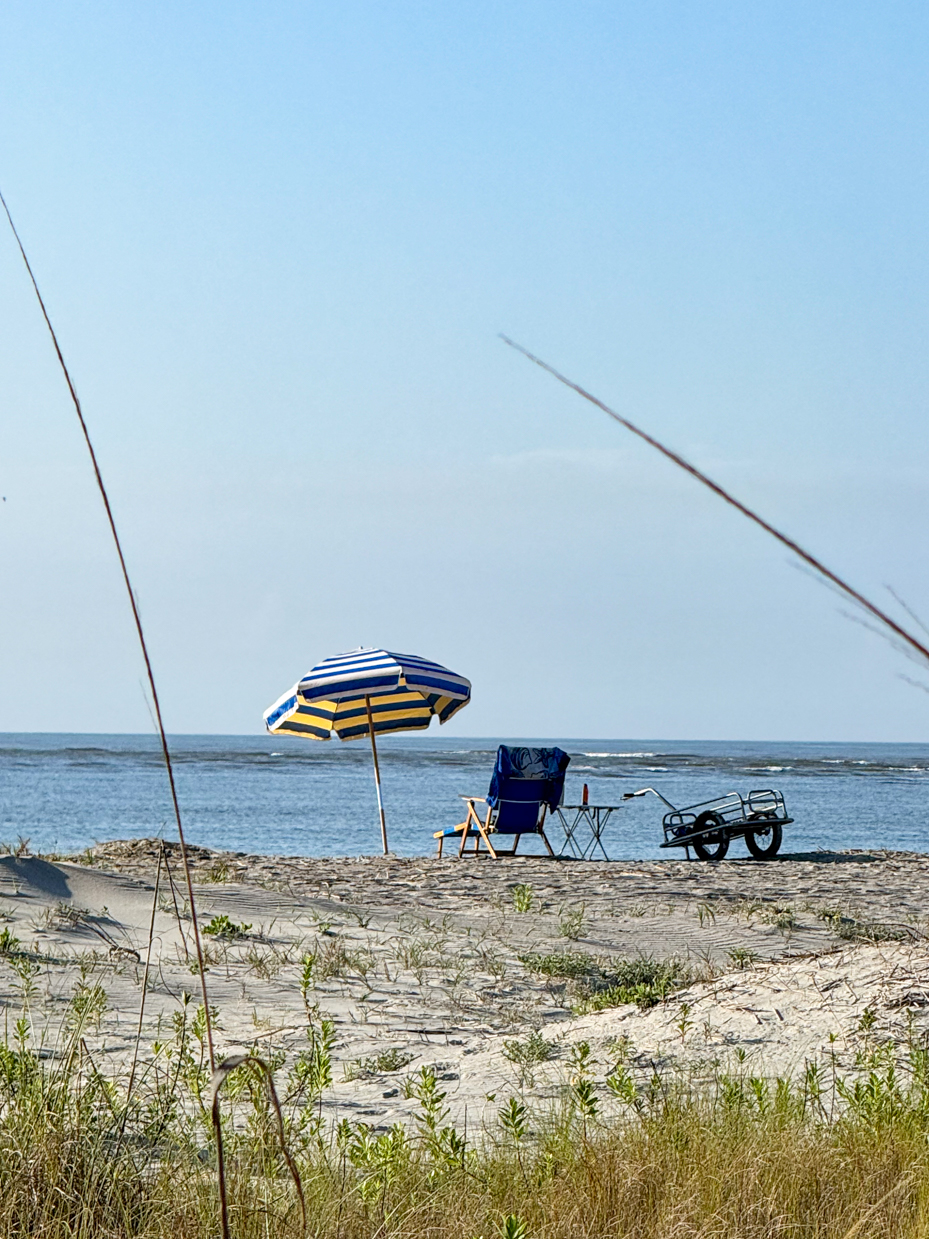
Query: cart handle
643 790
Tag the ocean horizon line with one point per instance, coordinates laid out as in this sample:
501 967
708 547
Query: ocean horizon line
433 734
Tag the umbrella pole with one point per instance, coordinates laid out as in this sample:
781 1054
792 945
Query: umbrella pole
377 775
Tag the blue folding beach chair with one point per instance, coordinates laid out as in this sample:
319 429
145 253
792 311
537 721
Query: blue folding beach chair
526 784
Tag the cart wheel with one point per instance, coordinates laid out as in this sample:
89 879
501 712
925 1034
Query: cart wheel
710 847
764 841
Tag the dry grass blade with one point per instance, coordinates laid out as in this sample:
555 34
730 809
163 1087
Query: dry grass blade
220 1075
177 908
902 602
145 973
137 620
216 1081
905 1181
911 642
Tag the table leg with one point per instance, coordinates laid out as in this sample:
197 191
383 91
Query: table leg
597 829
570 832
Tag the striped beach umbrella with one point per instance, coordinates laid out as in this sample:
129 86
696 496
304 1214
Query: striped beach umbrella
368 692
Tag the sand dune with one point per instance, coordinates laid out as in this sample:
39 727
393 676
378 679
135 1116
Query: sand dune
418 961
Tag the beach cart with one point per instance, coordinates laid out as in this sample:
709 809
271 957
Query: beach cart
708 827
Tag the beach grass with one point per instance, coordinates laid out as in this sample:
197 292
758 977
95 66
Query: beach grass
740 1157
660 1118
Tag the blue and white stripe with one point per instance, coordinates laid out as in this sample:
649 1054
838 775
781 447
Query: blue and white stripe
404 690
366 671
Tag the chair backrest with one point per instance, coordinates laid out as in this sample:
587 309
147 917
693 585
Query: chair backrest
524 780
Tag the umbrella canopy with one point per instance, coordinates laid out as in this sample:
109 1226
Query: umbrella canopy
405 692
368 692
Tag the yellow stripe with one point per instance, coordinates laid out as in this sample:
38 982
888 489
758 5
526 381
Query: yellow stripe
313 722
315 712
358 731
384 699
393 712
327 707
290 727
392 719
386 705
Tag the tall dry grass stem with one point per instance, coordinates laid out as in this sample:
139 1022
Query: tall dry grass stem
911 643
137 620
177 908
149 672
145 972
216 1082
857 1227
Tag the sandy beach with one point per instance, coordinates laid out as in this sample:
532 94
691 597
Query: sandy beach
469 967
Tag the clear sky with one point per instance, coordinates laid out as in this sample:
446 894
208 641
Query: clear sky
278 240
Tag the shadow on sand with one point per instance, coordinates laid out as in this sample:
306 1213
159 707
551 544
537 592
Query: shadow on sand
829 858
41 875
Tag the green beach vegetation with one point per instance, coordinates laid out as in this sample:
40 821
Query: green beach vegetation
647 1155
598 984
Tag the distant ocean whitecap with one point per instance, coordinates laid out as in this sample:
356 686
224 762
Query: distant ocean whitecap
617 754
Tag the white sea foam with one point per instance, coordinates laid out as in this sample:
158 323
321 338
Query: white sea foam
617 754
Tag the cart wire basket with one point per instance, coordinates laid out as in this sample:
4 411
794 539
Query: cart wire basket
709 827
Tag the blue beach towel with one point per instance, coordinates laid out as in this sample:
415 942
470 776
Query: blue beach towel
547 766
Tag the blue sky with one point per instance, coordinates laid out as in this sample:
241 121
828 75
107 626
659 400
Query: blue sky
278 241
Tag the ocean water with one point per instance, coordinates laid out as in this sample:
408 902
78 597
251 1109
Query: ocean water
284 795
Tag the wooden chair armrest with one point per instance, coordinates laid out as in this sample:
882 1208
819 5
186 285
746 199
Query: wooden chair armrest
473 799
448 829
